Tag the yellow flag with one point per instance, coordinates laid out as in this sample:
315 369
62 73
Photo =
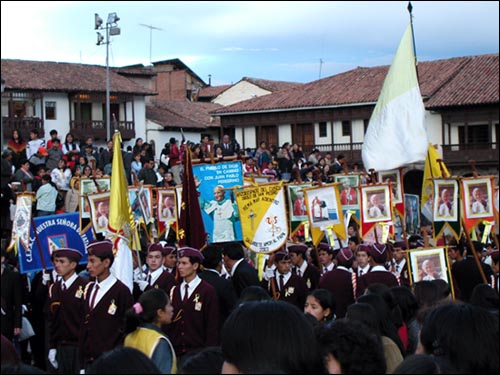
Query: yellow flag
432 169
121 220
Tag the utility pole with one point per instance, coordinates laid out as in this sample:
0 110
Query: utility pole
151 28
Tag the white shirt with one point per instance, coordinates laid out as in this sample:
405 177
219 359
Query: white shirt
104 286
155 275
286 277
330 267
193 284
365 270
67 284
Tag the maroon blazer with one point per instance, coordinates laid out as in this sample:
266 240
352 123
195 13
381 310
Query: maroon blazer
339 283
295 290
376 277
195 323
165 281
103 329
66 312
311 276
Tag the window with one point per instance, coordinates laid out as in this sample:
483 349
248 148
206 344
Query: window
50 110
346 128
322 130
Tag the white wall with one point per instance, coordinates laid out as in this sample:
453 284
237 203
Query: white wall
323 140
242 90
284 134
61 123
433 126
250 138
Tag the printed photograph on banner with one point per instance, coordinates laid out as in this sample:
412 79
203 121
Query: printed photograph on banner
99 208
445 200
141 200
348 190
394 177
297 202
322 206
412 217
478 198
166 205
217 202
377 204
88 186
429 264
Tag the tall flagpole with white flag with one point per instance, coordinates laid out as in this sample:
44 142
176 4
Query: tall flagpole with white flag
396 133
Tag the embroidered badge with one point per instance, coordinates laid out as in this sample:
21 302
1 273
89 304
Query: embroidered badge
79 292
112 308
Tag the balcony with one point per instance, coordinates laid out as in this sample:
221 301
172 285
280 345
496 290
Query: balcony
351 151
484 154
97 129
23 125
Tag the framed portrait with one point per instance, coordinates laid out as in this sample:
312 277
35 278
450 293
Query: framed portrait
376 203
99 208
141 203
394 177
88 186
429 264
445 200
478 198
412 217
322 206
349 192
167 211
297 202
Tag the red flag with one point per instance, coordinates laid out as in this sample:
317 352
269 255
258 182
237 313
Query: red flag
191 230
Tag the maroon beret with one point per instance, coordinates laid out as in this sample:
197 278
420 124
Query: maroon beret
281 255
297 248
64 252
157 247
190 252
378 252
170 250
363 247
326 247
345 257
100 248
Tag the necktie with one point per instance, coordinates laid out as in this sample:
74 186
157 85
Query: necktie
360 272
149 279
282 282
92 301
186 293
397 267
63 286
298 272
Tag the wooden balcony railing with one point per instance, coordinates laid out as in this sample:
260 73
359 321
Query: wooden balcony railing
481 153
97 129
23 125
352 151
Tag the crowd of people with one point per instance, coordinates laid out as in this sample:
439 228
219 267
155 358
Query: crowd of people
307 309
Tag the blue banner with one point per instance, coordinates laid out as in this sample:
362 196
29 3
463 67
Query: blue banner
54 232
217 203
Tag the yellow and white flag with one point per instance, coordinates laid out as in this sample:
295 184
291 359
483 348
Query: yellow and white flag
396 132
432 169
263 217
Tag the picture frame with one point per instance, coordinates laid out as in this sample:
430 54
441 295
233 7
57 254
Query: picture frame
445 204
377 203
297 206
429 264
166 206
322 208
348 189
88 186
394 178
412 217
99 209
141 203
478 198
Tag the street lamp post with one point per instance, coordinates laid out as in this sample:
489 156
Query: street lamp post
111 29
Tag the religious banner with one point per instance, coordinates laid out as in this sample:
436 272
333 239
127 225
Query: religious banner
50 233
262 211
166 213
376 208
412 218
297 208
477 201
325 213
446 208
218 206
395 178
349 194
20 238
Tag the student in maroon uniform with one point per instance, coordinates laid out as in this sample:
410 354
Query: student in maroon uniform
301 267
283 284
399 266
106 302
362 260
339 282
378 273
157 276
326 255
196 307
66 306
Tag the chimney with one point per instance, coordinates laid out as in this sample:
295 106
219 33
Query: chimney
210 80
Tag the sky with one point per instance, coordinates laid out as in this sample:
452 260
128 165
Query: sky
291 41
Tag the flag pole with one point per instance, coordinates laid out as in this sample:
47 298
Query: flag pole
410 9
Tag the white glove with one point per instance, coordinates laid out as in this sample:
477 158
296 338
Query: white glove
52 357
45 278
142 284
138 274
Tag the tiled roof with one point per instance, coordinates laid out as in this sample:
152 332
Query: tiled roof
272 86
183 114
212 91
450 82
136 70
66 77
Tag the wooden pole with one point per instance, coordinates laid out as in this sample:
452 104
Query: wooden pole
474 253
